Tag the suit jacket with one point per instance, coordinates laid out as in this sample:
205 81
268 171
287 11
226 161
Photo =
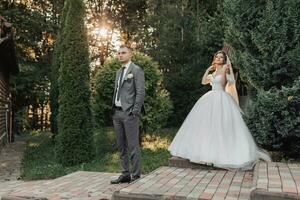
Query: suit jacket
132 89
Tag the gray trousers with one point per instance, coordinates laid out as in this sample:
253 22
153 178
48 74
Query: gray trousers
127 129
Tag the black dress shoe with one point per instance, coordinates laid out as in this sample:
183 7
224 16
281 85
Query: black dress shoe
134 178
121 179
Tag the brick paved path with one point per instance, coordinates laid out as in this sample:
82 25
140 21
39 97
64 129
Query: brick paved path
166 182
268 181
274 180
180 183
79 185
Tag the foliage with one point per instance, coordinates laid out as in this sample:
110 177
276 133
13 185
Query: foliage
274 119
54 92
74 140
180 35
54 74
265 36
185 35
35 23
157 103
122 17
103 92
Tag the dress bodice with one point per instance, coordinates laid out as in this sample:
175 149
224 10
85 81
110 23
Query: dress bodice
217 81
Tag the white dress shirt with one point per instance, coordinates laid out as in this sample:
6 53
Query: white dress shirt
118 103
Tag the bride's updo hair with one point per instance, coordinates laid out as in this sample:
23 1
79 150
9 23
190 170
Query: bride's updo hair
224 55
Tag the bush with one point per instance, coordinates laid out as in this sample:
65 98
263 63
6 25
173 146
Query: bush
157 102
274 119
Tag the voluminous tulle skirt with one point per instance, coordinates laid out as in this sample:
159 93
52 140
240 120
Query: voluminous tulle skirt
214 132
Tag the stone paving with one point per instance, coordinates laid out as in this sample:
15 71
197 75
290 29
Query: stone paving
78 186
185 183
277 180
268 181
165 182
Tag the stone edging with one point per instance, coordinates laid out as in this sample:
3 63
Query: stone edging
118 196
21 198
259 194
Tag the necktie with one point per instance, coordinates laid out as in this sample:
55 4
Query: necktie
120 83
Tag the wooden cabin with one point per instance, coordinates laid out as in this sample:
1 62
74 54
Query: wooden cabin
8 67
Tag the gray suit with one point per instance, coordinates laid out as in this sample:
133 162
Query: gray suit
126 120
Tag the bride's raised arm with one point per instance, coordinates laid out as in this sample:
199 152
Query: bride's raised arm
205 78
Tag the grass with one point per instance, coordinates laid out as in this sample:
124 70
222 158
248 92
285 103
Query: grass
40 163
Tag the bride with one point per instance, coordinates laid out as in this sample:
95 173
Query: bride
214 132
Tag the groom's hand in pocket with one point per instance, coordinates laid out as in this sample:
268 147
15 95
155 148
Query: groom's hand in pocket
132 114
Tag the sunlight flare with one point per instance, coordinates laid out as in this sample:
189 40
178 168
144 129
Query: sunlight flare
102 32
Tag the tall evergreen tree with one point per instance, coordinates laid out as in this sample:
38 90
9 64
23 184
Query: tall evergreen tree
54 74
74 140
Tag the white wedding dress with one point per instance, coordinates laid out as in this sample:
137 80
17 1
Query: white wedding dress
215 133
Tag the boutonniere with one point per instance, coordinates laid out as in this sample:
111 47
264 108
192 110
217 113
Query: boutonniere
129 76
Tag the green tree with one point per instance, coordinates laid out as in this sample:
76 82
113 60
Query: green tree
184 36
124 17
265 37
74 139
35 23
54 75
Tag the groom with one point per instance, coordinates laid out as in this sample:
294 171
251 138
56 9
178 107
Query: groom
128 99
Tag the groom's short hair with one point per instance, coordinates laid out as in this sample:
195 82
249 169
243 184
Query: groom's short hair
126 46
